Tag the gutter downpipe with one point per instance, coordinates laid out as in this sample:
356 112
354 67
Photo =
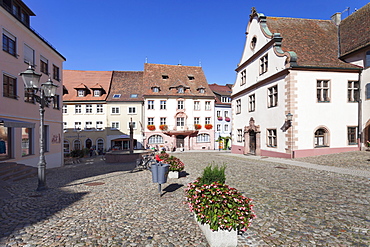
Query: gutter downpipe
359 127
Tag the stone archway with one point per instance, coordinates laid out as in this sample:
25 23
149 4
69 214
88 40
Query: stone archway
252 138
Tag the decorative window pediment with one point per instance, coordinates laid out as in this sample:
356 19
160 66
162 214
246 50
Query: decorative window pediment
82 90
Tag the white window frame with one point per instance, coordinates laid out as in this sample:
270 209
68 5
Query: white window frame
238 106
208 105
99 124
272 138
207 120
272 96
78 109
180 121
263 64
150 120
99 108
150 104
88 108
163 120
252 102
196 105
203 137
115 125
64 109
180 105
322 91
115 110
196 120
163 105
131 110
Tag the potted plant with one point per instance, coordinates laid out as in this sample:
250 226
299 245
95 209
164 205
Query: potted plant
219 118
227 119
208 126
221 211
163 127
197 126
176 165
151 127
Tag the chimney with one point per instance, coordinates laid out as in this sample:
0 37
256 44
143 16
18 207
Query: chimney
336 18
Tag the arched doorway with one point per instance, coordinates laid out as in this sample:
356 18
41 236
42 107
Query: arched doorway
252 136
252 142
88 143
180 141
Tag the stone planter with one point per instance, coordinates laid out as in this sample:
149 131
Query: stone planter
173 174
220 238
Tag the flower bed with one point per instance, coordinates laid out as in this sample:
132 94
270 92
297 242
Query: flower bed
175 163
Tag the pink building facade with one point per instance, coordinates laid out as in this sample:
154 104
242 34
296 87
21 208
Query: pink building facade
19 114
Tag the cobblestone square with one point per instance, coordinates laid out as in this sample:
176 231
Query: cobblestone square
99 204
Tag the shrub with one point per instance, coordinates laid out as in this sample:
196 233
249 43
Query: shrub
213 174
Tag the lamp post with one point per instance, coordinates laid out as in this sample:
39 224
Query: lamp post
47 90
289 118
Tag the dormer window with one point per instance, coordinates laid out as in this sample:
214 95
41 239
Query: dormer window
133 95
155 89
191 77
97 93
81 93
116 96
165 76
180 90
201 90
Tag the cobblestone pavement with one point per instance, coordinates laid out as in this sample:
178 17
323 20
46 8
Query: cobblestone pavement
98 204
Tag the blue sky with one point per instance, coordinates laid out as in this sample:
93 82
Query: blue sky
122 34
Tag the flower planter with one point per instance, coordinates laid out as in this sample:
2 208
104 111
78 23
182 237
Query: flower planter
173 174
220 238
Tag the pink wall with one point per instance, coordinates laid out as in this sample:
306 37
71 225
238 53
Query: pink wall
321 151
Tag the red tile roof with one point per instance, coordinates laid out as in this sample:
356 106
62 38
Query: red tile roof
355 31
178 75
314 41
74 79
221 90
127 84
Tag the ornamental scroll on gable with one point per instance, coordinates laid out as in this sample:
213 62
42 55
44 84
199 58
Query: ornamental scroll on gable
252 126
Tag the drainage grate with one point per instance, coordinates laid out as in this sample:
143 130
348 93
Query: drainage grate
280 167
94 184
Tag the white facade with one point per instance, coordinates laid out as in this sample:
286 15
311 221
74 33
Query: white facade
270 84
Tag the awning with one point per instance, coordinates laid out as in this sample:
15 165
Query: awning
16 123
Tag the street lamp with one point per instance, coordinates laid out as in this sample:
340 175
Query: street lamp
47 90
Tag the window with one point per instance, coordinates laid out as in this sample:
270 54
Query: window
353 91
115 125
88 108
208 105
367 59
88 125
352 135
165 76
180 90
56 74
80 93
323 91
97 93
26 141
191 77
9 86
9 43
367 91
133 95
201 90
55 102
162 120
225 99
155 89
243 78
78 109
115 110
203 138
196 105
99 124
100 144
226 114
66 147
263 64
321 138
99 108
155 139
180 121
253 43
64 109
226 127
207 120
240 135
163 104
133 125
29 55
77 125
252 103
44 67
180 105
77 145
116 96
271 138
132 110
64 125
272 96
150 120
218 113
218 127
150 104
28 96
196 120
238 106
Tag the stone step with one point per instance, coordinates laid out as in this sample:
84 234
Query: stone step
16 172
